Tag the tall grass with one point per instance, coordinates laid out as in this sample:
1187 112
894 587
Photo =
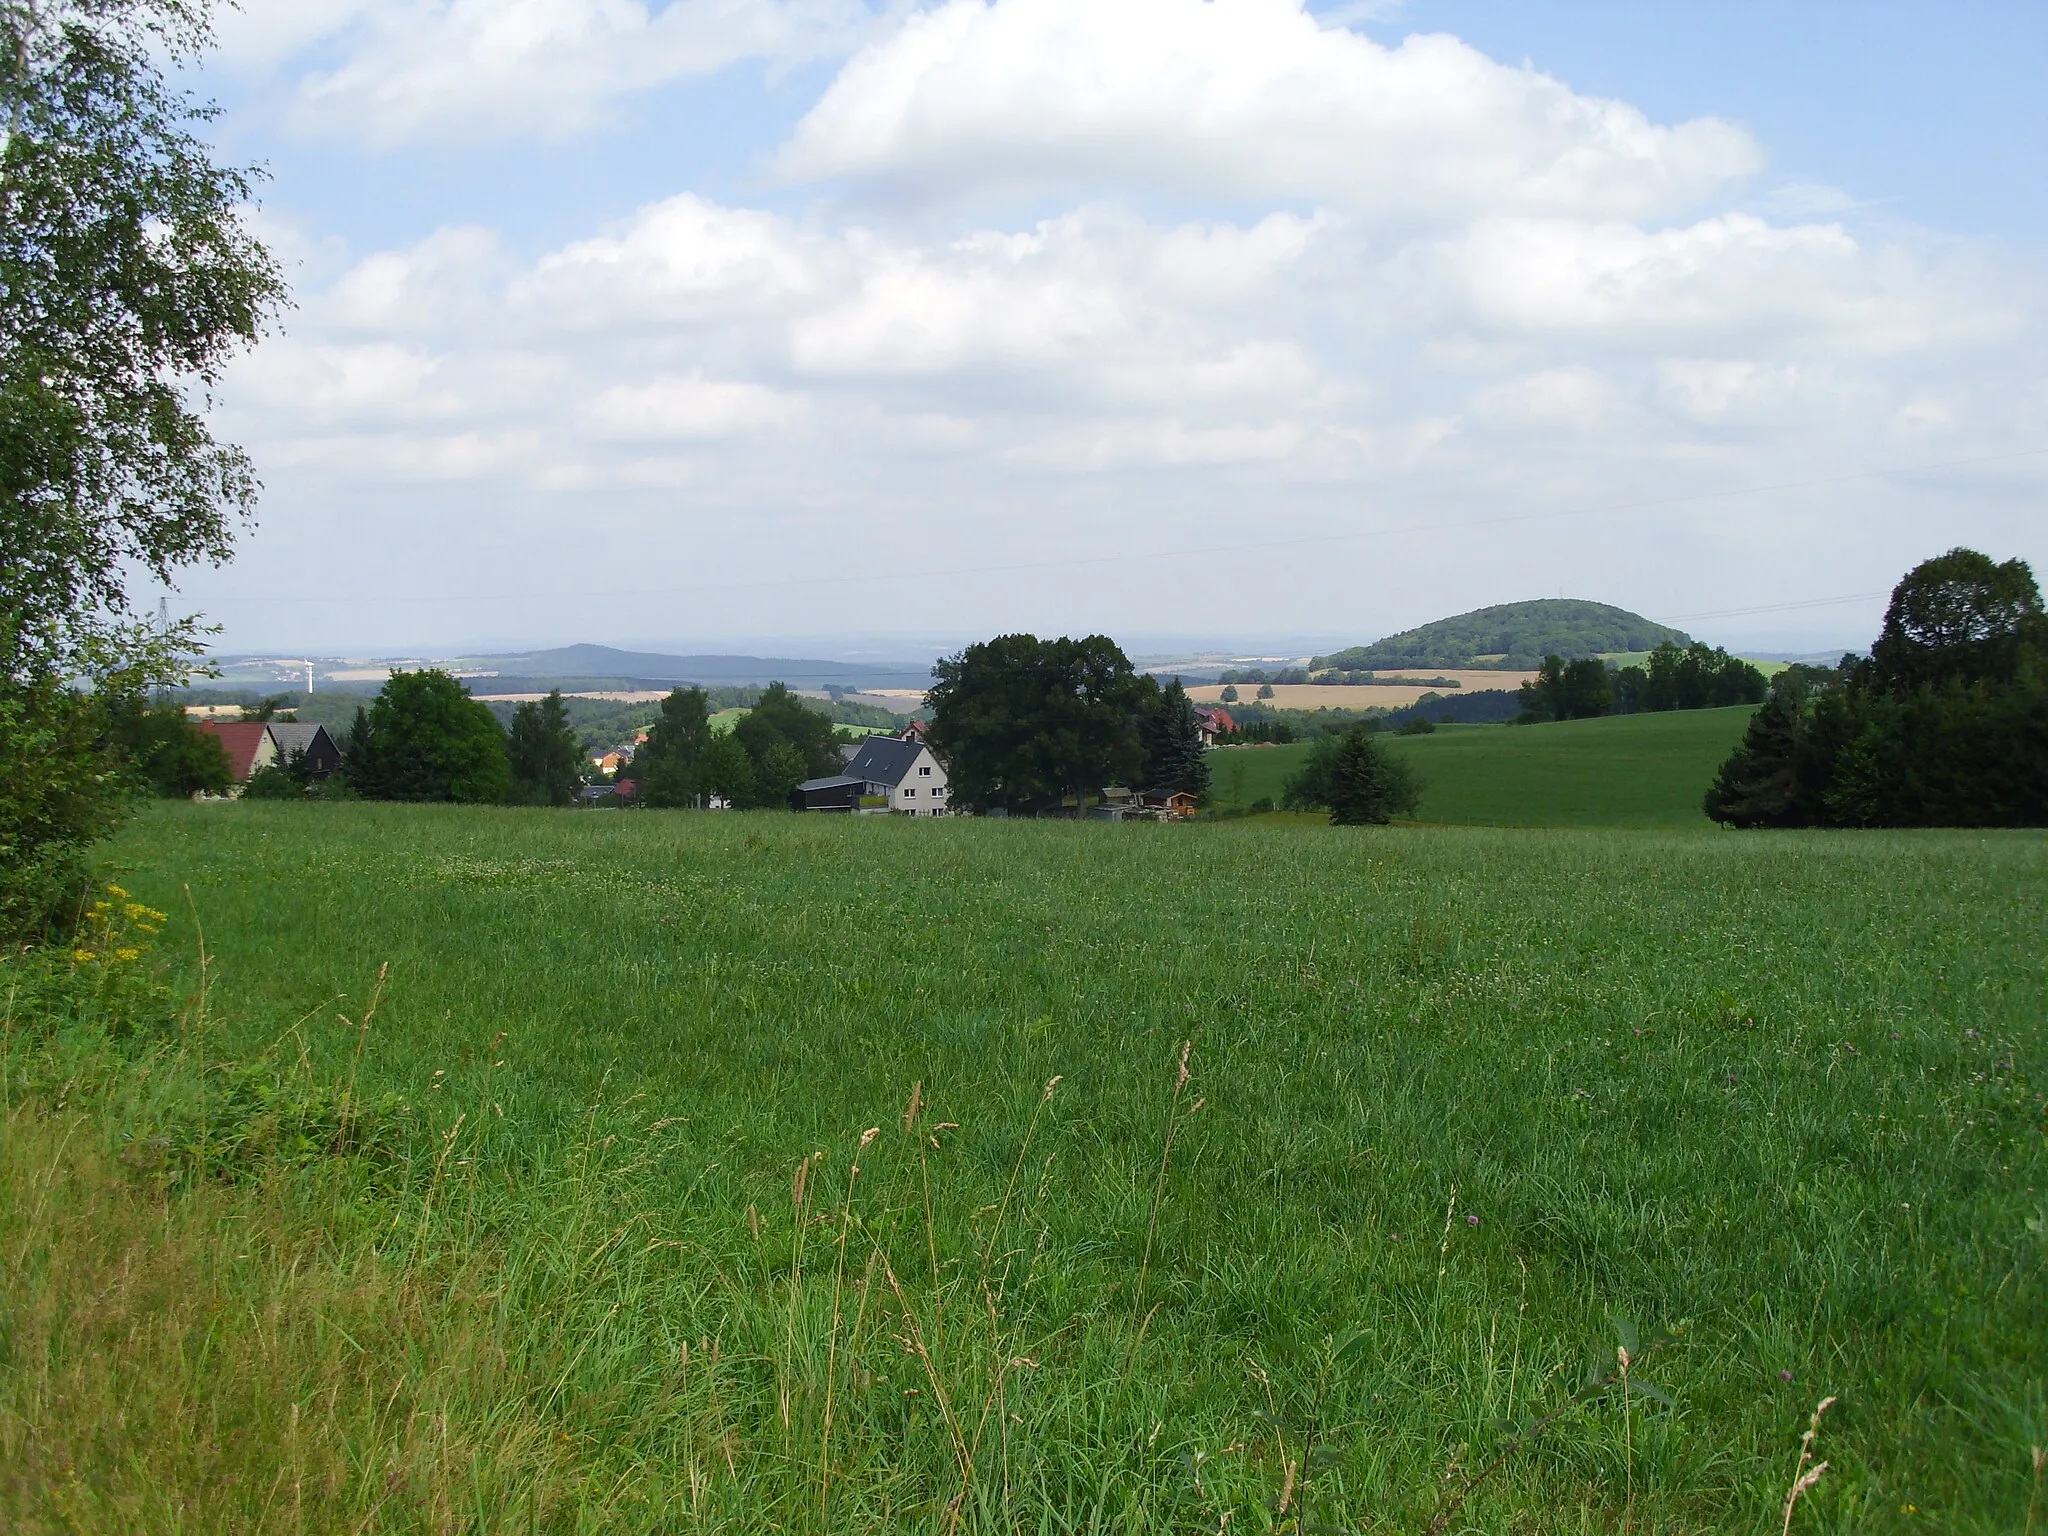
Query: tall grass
594 1253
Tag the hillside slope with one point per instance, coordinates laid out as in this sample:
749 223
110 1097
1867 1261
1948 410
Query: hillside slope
1512 636
1620 771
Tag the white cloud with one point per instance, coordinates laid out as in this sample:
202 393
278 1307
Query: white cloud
1731 280
1096 341
1242 98
1573 398
1479 291
690 407
474 70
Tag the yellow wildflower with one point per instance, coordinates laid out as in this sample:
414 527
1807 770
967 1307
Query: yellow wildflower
83 956
116 891
127 955
135 911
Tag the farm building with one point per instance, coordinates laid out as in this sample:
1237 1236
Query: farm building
1212 723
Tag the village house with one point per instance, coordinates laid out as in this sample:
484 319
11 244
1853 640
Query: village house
249 745
253 745
885 774
314 748
1213 723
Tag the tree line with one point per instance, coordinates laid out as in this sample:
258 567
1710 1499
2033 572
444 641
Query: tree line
1944 723
1695 677
425 738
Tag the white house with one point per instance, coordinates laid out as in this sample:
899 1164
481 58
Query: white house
886 774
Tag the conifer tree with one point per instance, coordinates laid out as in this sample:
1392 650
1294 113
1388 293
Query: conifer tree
1369 786
1175 758
546 756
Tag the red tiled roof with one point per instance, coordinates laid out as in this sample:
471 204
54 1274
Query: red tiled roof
242 738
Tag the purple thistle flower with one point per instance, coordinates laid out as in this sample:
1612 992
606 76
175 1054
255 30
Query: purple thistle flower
1471 1221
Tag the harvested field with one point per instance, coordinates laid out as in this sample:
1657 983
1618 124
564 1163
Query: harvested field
1366 696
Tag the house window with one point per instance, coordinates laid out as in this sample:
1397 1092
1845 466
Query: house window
910 794
937 792
924 771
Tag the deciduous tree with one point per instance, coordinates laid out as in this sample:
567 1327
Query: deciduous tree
1022 720
128 279
425 738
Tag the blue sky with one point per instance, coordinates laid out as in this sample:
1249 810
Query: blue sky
724 323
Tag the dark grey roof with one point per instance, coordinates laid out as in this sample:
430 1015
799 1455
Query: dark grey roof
884 760
836 781
292 737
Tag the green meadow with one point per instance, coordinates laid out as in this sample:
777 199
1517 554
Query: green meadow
1466 1112
1619 771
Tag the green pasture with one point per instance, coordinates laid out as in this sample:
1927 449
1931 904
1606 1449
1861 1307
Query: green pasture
1621 771
1465 1109
1642 659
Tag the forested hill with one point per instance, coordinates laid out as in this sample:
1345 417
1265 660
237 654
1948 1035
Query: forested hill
1513 636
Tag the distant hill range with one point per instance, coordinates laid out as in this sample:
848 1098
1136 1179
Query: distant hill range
603 667
1514 637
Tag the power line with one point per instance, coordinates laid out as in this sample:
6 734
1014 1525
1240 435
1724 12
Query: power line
1153 556
1811 602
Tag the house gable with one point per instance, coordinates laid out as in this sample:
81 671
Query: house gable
248 742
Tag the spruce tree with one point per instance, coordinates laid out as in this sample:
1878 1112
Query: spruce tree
546 756
1369 786
1759 786
1175 758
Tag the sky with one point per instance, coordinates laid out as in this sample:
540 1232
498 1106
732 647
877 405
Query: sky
721 323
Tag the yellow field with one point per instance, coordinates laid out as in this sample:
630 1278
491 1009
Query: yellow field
1325 696
616 696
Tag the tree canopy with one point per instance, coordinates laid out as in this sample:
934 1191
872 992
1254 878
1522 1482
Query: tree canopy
1023 721
425 738
1352 775
1175 758
546 757
780 742
165 750
1515 636
1369 786
786 742
668 767
1945 724
128 279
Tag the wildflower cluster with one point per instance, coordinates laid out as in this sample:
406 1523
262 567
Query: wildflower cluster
115 931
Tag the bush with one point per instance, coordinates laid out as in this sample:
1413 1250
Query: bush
59 793
171 754
273 782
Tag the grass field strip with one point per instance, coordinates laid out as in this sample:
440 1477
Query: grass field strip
775 1172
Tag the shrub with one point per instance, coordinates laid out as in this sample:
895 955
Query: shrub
58 794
